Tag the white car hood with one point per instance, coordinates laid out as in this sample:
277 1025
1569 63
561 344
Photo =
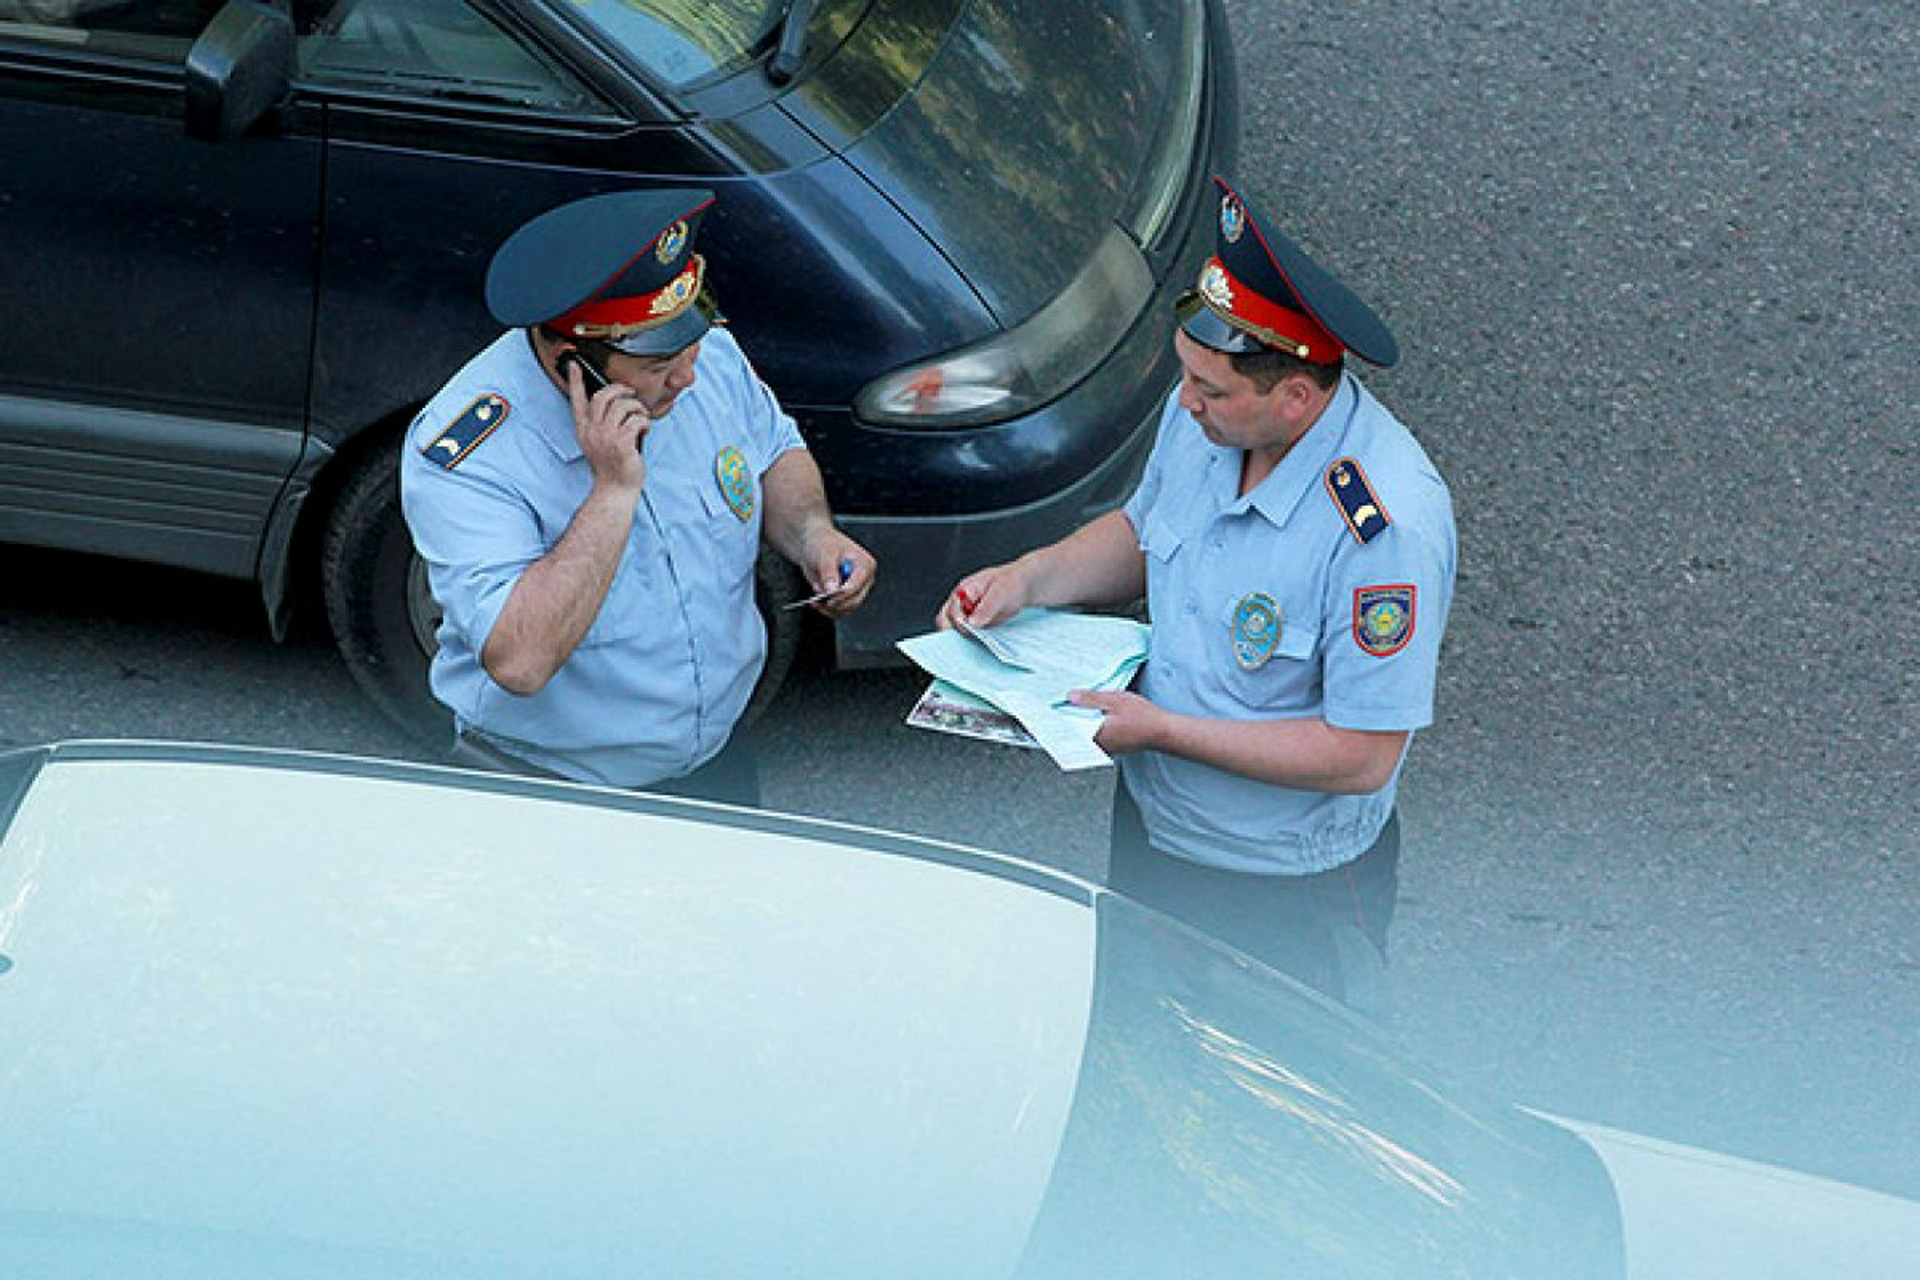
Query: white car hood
1703 1216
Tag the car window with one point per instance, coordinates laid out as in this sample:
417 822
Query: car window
1305 1145
432 48
682 44
156 30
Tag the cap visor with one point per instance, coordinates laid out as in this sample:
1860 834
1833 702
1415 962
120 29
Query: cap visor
676 334
1209 330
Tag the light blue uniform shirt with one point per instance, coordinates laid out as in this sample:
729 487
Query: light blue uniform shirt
663 674
1358 636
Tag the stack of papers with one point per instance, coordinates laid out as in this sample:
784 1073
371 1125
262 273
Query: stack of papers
1009 683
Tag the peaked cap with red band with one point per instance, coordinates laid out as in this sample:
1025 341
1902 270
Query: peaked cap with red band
617 268
1260 291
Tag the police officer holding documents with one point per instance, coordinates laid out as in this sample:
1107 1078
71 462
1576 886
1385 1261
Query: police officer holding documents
1296 550
590 495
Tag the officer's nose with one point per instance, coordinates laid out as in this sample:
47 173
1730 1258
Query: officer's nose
682 374
1189 398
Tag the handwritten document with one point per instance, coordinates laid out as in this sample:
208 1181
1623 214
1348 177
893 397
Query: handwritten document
1027 665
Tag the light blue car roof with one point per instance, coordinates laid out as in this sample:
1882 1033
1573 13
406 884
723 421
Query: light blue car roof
270 1013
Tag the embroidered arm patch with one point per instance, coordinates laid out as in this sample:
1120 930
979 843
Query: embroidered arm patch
1364 515
464 434
1383 618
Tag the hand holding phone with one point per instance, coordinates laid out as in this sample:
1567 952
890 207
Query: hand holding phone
590 375
593 380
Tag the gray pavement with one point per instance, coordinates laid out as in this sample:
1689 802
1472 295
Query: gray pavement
1655 271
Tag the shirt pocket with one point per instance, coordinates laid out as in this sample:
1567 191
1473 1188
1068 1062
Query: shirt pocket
1159 539
1161 542
686 544
636 603
733 539
1286 676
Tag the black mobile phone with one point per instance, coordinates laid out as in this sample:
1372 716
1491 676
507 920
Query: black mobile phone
590 375
593 380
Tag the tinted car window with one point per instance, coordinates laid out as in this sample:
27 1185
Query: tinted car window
683 44
159 31
431 48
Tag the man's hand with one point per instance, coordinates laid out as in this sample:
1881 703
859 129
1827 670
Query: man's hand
799 525
985 597
1098 564
840 570
610 425
1132 723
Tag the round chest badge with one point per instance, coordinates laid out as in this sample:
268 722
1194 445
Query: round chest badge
1256 629
736 481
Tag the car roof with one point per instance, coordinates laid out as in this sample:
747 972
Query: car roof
482 1019
272 1012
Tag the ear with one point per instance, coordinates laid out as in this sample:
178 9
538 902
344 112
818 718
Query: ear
1299 399
1294 390
552 353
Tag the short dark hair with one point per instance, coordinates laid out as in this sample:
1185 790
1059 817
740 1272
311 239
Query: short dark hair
593 347
1265 369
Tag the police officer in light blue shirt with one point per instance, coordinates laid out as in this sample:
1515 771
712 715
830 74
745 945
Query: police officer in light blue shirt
590 494
1296 549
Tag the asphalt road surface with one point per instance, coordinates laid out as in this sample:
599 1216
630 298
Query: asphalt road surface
1654 270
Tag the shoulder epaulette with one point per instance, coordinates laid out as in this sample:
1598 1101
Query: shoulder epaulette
464 434
1364 515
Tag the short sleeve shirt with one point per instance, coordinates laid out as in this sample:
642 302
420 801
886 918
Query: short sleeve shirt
491 477
1268 606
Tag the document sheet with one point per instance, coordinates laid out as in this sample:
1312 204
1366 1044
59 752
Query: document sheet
1027 665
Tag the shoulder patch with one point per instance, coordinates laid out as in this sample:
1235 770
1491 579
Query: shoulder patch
1383 617
464 434
1362 511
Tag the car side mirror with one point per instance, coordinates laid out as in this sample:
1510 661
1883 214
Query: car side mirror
239 69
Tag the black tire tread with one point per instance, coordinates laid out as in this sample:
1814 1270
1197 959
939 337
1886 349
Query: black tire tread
364 561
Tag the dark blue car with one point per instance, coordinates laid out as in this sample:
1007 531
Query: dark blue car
245 241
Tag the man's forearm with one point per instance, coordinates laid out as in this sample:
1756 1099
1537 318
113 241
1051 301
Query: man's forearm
796 505
1099 563
558 597
1307 755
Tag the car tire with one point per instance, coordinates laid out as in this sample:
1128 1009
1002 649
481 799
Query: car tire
379 607
384 617
776 585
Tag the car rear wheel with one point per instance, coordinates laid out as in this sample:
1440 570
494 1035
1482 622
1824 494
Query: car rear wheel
378 604
383 614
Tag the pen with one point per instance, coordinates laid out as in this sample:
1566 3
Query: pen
846 572
966 601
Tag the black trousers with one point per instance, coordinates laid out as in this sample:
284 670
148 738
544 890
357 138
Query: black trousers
1329 929
731 777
